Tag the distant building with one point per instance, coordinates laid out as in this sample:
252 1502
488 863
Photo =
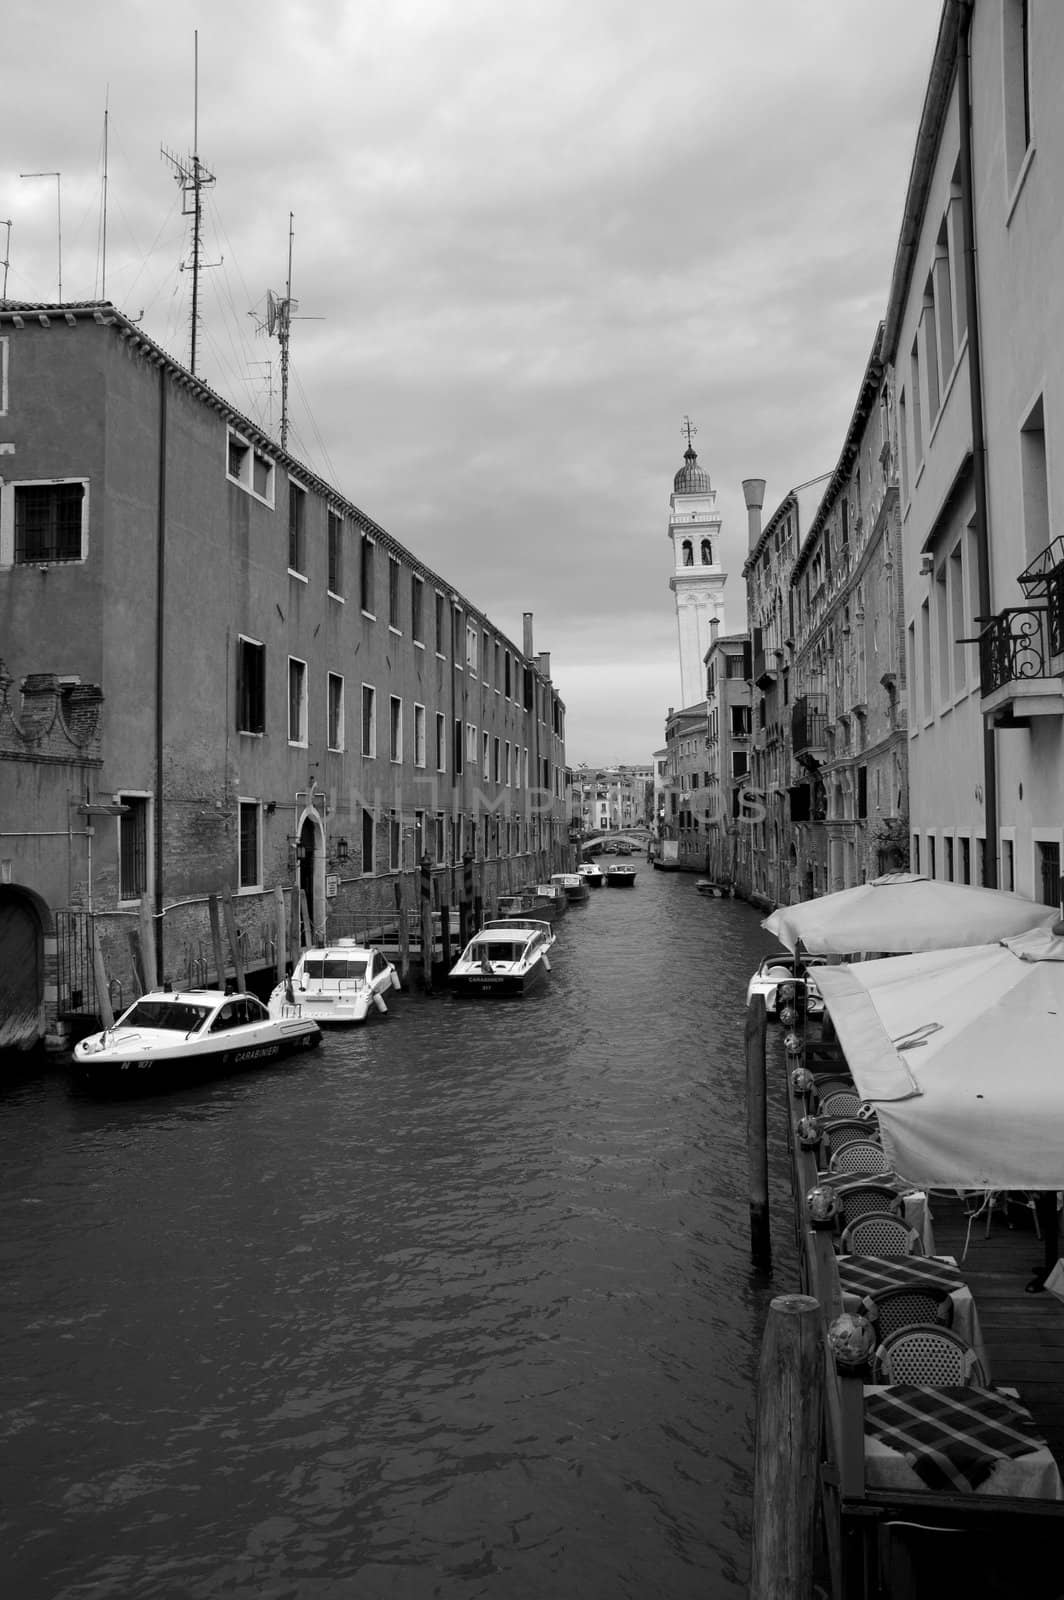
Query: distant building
728 740
612 799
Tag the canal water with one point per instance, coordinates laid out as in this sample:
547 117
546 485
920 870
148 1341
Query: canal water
458 1306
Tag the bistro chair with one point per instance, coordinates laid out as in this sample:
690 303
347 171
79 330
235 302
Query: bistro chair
907 1306
927 1354
841 1130
840 1104
859 1155
858 1199
880 1233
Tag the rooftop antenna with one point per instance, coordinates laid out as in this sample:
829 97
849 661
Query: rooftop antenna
6 223
280 310
193 178
58 216
103 201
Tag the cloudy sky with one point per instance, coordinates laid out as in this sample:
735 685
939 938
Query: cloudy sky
529 237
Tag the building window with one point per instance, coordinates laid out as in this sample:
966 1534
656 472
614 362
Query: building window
1049 884
417 603
395 728
471 647
964 846
507 667
1008 865
471 745
394 840
369 720
367 842
947 858
485 760
441 624
441 838
297 701
1035 482
1016 40
250 686
336 711
297 529
458 749
918 430
393 593
456 636
441 742
336 553
252 469
365 574
50 522
237 458
250 866
419 736
133 847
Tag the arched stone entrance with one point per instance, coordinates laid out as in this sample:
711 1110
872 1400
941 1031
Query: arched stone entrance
312 875
21 971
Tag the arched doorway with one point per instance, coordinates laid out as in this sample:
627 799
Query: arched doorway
312 876
21 971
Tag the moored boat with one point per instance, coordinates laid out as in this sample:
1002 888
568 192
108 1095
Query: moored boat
572 886
169 1038
592 874
502 961
620 876
336 983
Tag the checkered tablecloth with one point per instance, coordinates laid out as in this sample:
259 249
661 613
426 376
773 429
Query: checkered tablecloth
870 1275
952 1438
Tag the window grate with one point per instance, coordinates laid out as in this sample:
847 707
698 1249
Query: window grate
48 521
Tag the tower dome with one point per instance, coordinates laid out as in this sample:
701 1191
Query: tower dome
691 478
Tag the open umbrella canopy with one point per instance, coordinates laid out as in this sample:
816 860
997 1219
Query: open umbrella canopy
904 912
962 1053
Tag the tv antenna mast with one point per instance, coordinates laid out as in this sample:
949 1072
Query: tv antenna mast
6 223
193 178
280 311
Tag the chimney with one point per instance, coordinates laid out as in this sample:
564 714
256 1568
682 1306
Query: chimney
543 663
527 642
754 495
714 629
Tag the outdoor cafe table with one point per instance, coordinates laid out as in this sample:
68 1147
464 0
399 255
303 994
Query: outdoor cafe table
870 1275
915 1209
955 1440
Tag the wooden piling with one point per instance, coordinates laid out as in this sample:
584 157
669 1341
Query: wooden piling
757 1131
280 932
234 941
426 922
147 944
216 940
404 934
789 1400
103 993
445 937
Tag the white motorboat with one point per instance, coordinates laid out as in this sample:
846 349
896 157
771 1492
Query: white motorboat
504 960
620 877
572 886
528 924
592 874
169 1038
336 983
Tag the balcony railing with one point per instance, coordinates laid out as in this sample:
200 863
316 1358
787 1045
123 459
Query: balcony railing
1049 561
1014 646
808 725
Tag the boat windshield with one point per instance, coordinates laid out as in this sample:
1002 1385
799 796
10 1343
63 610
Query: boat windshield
334 968
175 1014
496 952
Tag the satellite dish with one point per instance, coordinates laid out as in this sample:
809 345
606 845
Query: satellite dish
271 312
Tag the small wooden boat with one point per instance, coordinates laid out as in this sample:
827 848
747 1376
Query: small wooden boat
713 891
336 983
502 961
619 876
169 1038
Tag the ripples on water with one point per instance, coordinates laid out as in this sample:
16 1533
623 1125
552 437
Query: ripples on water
458 1306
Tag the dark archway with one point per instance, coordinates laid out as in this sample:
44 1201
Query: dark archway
21 971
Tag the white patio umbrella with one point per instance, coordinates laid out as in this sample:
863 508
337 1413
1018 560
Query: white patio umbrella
962 1053
905 912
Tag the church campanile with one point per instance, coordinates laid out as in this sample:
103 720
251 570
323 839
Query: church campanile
697 578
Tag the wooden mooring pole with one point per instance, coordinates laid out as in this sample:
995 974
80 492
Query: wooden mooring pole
426 922
789 1397
757 1131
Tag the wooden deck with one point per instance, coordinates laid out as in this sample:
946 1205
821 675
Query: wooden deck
916 1546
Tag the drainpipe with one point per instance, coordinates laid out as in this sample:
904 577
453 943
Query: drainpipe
160 615
975 383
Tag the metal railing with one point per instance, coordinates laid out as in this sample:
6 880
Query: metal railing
1014 645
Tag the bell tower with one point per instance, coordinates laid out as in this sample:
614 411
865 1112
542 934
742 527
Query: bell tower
697 577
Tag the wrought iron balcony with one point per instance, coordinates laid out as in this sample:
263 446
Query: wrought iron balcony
1016 677
809 726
